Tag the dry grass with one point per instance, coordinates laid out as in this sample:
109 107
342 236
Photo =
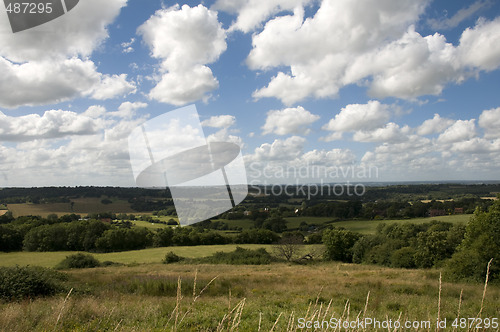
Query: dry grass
247 298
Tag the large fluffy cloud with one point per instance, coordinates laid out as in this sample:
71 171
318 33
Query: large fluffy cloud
289 121
391 132
53 124
490 121
358 117
68 148
461 130
185 39
251 13
367 43
435 125
284 150
49 63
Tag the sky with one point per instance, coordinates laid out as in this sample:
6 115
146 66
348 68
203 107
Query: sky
331 91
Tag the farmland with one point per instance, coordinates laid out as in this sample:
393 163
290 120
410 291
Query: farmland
79 206
132 290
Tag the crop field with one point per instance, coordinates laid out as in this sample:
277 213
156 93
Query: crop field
150 225
81 206
275 297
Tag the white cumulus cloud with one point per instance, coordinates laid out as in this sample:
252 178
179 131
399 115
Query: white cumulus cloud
358 117
50 63
461 130
52 124
369 44
185 39
490 121
435 125
289 121
220 121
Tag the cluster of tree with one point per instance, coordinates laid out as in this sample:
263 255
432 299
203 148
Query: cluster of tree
463 251
166 212
52 194
480 245
391 209
216 225
50 234
274 222
340 210
144 204
398 245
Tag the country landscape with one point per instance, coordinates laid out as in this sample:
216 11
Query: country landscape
405 253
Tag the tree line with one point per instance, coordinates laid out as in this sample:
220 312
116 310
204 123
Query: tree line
43 234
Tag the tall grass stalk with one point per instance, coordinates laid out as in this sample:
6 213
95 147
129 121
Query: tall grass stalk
485 287
62 308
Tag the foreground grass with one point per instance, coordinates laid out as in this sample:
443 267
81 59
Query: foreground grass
249 298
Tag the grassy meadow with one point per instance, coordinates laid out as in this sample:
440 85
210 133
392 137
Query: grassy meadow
184 297
153 255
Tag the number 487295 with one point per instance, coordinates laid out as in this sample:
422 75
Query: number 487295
29 8
473 323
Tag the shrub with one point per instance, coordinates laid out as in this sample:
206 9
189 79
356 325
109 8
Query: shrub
18 283
171 257
10 239
172 222
78 261
240 256
339 243
404 257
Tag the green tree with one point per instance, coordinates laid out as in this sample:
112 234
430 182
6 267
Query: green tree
339 243
481 243
275 223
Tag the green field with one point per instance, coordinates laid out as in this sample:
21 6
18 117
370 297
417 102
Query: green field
154 255
150 225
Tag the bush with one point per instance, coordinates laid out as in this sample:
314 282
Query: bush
404 258
78 261
172 222
18 283
171 257
339 243
240 256
10 239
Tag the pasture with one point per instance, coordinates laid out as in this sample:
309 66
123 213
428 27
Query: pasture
153 255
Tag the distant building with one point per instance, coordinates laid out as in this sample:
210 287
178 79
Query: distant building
459 211
436 212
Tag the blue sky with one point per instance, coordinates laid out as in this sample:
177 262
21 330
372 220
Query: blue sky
409 88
